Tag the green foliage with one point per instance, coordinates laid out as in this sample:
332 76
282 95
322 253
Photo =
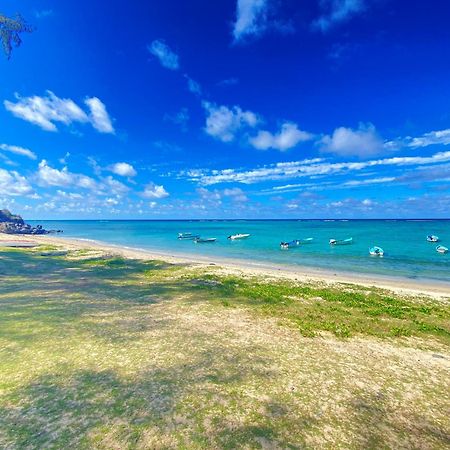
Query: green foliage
10 30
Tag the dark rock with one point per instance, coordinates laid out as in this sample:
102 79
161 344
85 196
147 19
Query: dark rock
14 224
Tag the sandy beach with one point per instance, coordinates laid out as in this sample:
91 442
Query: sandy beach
248 268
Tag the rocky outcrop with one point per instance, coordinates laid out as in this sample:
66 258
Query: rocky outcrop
14 224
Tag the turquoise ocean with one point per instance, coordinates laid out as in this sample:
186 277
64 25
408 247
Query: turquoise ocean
407 253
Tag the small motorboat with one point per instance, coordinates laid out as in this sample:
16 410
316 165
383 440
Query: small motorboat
187 236
441 249
238 236
376 251
341 241
291 244
432 238
199 240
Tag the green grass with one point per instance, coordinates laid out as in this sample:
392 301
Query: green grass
342 310
106 352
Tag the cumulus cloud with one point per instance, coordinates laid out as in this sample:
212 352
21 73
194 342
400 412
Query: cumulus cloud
123 169
362 142
288 137
338 11
154 191
166 56
47 176
99 117
18 150
13 184
251 18
48 110
223 123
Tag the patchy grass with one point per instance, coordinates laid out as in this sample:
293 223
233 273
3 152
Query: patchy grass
343 310
99 351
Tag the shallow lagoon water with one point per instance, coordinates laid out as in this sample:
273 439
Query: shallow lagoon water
407 253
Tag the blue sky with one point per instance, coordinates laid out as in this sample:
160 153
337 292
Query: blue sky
227 109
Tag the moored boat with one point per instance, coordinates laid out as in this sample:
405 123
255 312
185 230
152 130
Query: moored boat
187 236
432 238
441 249
290 244
199 240
341 241
239 236
376 251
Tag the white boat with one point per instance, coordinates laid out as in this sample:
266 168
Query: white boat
200 240
187 236
376 251
341 241
441 249
239 236
432 238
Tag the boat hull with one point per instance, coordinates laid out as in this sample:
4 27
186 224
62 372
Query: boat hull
205 241
341 241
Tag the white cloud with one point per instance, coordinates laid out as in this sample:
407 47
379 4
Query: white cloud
251 18
48 110
111 201
289 136
337 11
14 184
123 169
153 190
18 150
166 56
432 138
68 195
311 168
43 111
236 194
112 186
368 181
362 142
100 119
48 176
223 123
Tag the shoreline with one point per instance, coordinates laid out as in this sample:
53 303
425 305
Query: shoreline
400 285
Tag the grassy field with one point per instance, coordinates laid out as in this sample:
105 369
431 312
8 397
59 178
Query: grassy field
97 351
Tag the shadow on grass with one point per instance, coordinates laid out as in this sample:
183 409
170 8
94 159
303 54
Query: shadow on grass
83 406
57 292
380 427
